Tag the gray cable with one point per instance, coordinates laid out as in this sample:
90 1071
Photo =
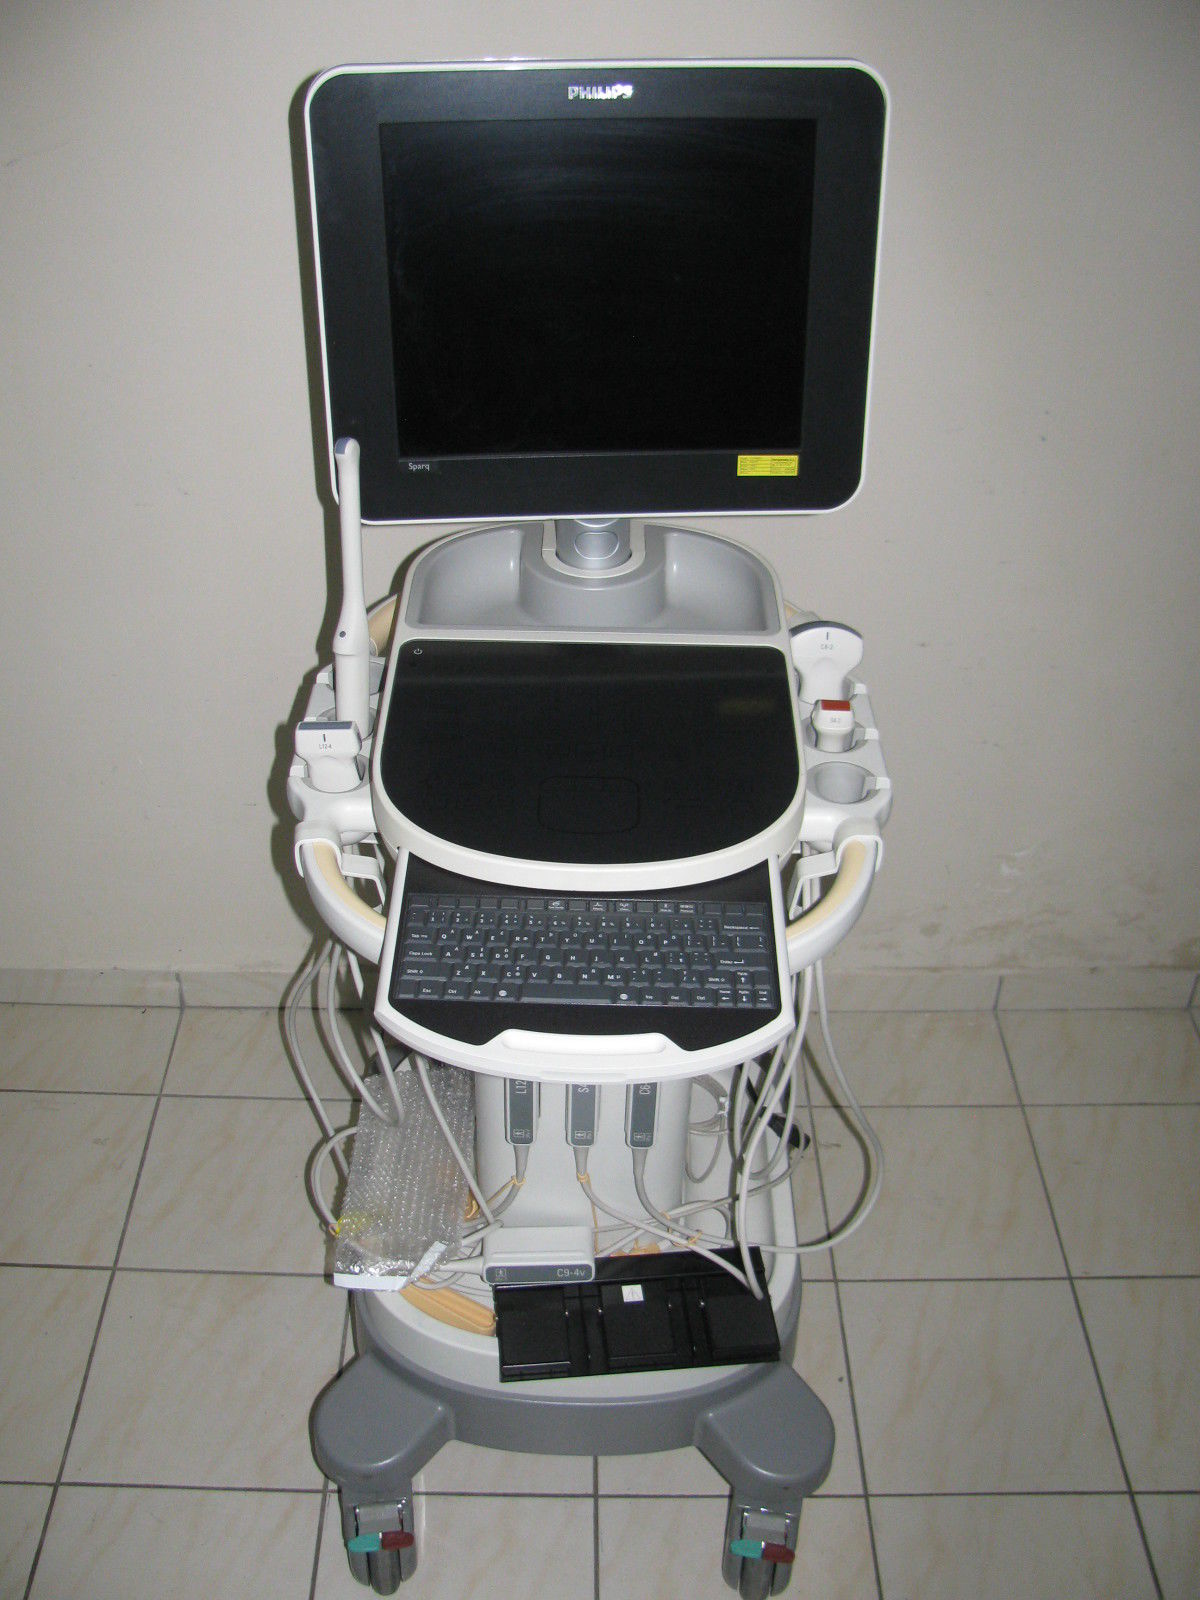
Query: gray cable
421 1067
349 1070
309 973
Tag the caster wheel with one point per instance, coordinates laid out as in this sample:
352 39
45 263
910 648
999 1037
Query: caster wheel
384 1569
753 1576
382 1556
731 1567
756 1579
753 1580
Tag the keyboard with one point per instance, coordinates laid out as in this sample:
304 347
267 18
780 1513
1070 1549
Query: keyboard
475 951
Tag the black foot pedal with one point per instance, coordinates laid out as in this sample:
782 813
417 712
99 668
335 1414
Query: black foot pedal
640 1314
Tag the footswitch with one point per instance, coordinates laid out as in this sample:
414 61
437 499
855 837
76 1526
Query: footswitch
641 1314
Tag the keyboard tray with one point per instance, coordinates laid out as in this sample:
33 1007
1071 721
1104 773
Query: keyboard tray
699 966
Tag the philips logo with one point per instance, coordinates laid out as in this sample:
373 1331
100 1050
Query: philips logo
599 91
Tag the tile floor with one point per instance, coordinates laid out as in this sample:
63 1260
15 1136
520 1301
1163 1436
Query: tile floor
1008 1347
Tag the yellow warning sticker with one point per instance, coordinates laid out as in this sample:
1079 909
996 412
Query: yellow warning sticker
768 466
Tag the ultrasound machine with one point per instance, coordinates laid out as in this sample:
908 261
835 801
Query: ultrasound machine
586 805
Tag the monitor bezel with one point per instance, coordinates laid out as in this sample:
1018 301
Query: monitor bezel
344 110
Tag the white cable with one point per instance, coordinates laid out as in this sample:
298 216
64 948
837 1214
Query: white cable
760 1097
714 1087
713 1127
780 1074
760 1124
309 973
641 1225
349 1070
793 1078
388 1071
858 1217
789 1122
421 1066
715 1134
508 1192
724 1205
677 1238
381 1053
803 896
721 1206
753 1130
742 1121
319 1160
737 1112
661 1229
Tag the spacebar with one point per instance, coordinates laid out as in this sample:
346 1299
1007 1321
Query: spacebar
591 994
567 994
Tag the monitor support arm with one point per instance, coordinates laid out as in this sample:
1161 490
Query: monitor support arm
352 641
592 544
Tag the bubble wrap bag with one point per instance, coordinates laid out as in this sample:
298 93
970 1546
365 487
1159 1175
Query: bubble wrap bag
406 1196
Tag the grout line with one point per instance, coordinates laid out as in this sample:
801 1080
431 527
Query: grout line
322 1509
57 1266
327 1487
188 1488
178 1095
98 1094
108 1288
1087 1339
245 1099
595 1528
923 1105
837 1293
511 1494
194 1272
713 1497
1149 1009
1024 1494
1109 1105
1023 1277
327 1484
347 1334
707 1498
1010 1105
458 1493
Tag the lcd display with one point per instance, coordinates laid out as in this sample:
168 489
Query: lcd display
605 289
561 286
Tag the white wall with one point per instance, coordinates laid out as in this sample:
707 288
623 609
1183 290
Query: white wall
1022 559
